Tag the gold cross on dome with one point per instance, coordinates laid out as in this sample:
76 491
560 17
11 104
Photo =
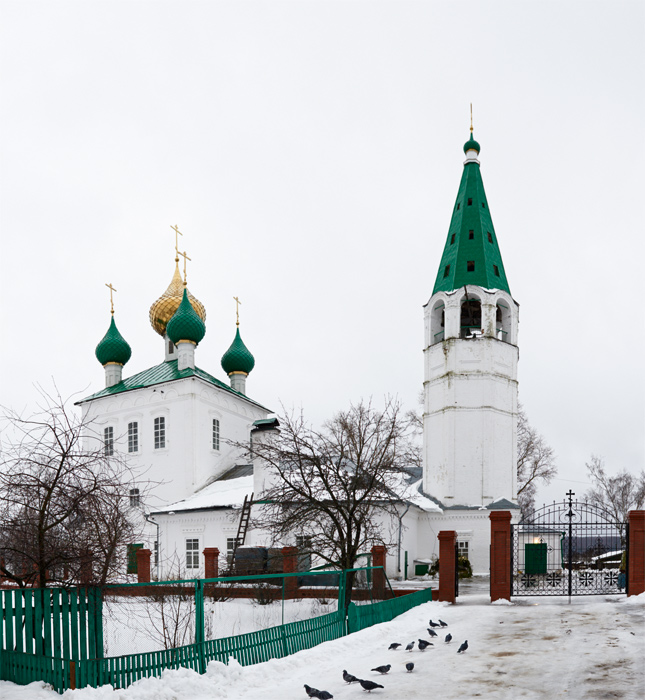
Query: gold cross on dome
237 311
185 257
175 228
111 288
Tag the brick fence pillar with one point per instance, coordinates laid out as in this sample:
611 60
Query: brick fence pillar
636 563
500 555
211 562
143 565
290 566
447 565
378 575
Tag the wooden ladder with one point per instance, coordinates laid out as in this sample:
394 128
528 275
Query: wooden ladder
242 527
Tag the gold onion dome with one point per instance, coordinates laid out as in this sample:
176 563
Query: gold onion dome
165 307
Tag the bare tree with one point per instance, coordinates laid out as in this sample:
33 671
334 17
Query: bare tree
337 487
617 494
535 462
64 508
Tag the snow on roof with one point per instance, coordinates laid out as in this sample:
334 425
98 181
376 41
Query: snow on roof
411 494
224 493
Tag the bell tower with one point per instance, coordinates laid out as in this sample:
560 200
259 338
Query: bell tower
470 359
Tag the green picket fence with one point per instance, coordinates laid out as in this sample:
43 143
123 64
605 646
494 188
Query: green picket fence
361 616
23 667
52 622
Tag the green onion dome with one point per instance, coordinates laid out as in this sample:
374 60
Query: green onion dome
471 144
113 347
185 323
237 358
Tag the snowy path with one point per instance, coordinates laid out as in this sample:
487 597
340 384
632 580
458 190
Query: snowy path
535 649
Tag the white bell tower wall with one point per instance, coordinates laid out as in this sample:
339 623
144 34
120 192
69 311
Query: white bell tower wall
470 396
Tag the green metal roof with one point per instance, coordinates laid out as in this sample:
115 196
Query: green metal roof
113 347
238 357
165 372
471 241
185 323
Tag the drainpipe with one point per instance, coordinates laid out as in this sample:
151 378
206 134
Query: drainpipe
156 524
398 553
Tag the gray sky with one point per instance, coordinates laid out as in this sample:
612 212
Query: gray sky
311 154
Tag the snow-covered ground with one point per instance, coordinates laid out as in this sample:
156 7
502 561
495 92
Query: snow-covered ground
533 648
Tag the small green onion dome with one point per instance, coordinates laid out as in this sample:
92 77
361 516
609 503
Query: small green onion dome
113 347
237 358
471 144
185 323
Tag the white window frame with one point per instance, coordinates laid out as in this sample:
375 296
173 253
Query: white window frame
135 498
215 434
192 553
160 432
133 436
108 440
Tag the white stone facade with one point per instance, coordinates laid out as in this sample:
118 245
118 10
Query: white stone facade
470 398
183 458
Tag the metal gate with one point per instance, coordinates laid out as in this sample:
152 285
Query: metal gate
569 548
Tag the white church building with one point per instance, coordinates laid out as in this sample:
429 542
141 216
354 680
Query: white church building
179 424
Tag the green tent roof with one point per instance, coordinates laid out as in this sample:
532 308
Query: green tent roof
471 254
159 374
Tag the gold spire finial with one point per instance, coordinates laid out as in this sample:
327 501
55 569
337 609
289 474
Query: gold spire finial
237 311
175 228
185 257
471 118
111 288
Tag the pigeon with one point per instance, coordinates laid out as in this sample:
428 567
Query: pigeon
311 692
433 624
382 669
394 645
431 632
409 666
410 646
423 644
443 624
448 638
324 695
348 678
463 647
369 685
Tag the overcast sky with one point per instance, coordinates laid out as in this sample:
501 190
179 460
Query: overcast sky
311 154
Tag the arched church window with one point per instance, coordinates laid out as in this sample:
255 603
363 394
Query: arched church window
503 322
471 318
437 322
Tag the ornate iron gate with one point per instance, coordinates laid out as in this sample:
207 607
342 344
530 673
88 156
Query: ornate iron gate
569 548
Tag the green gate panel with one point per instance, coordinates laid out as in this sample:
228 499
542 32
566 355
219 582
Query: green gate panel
535 558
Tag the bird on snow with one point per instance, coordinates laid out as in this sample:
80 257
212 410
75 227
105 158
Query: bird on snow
463 647
311 692
423 644
431 632
443 624
348 678
369 685
433 624
410 646
409 666
394 645
448 639
382 669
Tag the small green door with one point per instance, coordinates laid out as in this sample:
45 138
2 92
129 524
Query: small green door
535 558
